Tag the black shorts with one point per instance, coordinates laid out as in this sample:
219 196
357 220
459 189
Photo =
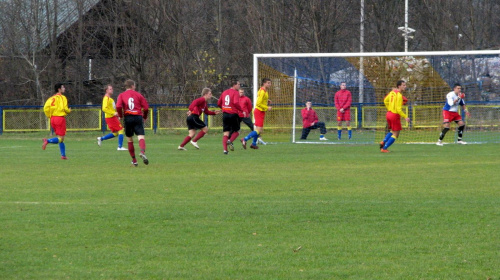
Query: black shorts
133 124
248 122
230 122
194 122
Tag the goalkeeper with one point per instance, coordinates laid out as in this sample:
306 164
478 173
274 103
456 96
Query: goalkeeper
450 114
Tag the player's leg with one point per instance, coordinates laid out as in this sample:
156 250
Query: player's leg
322 130
305 133
129 133
55 123
191 134
226 130
120 140
447 118
339 127
460 132
394 121
349 128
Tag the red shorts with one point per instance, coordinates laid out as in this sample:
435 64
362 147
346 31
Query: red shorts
259 117
59 125
346 116
114 124
451 116
394 121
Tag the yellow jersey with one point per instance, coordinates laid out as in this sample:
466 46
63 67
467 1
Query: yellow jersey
262 98
56 106
108 107
394 103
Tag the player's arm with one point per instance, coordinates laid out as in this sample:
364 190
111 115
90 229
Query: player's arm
65 105
145 107
387 100
119 106
208 112
260 101
399 106
464 108
46 107
219 102
107 107
347 105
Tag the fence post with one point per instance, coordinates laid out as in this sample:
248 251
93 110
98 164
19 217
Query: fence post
1 120
360 114
155 118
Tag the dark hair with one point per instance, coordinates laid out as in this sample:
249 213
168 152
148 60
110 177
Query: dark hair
400 82
106 86
265 80
234 82
58 86
457 85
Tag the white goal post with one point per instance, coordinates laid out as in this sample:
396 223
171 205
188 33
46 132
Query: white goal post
315 77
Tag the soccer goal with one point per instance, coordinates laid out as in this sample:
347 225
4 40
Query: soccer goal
316 77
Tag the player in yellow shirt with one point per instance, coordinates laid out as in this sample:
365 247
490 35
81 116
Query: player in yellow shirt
56 108
394 104
111 117
259 113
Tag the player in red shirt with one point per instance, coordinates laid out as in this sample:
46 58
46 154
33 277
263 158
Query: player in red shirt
229 102
310 121
134 108
343 99
197 107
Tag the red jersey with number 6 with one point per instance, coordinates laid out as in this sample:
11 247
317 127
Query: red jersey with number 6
131 102
229 101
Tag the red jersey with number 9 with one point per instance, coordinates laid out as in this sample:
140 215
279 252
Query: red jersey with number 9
229 101
131 102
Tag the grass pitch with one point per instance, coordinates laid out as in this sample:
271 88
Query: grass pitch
285 211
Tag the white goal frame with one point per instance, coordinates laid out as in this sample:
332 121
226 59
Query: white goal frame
256 57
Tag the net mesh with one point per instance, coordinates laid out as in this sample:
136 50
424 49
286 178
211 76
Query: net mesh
429 78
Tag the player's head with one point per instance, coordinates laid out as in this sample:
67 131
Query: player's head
207 93
401 85
59 88
108 89
343 85
235 84
129 84
457 88
242 92
308 104
266 83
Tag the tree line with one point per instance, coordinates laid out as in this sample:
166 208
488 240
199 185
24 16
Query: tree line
174 48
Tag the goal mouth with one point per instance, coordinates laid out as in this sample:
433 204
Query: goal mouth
369 77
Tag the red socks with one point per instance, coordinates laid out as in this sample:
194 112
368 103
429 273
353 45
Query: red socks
131 149
186 140
224 142
200 134
142 145
234 136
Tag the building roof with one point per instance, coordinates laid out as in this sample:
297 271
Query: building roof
17 16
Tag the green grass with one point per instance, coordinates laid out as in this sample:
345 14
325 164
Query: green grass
286 211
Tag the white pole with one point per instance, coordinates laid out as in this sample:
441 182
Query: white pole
255 79
90 69
294 104
406 25
361 42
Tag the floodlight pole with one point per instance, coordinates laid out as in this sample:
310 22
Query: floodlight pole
361 42
406 25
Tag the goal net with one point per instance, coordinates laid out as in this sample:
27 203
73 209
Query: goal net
298 78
